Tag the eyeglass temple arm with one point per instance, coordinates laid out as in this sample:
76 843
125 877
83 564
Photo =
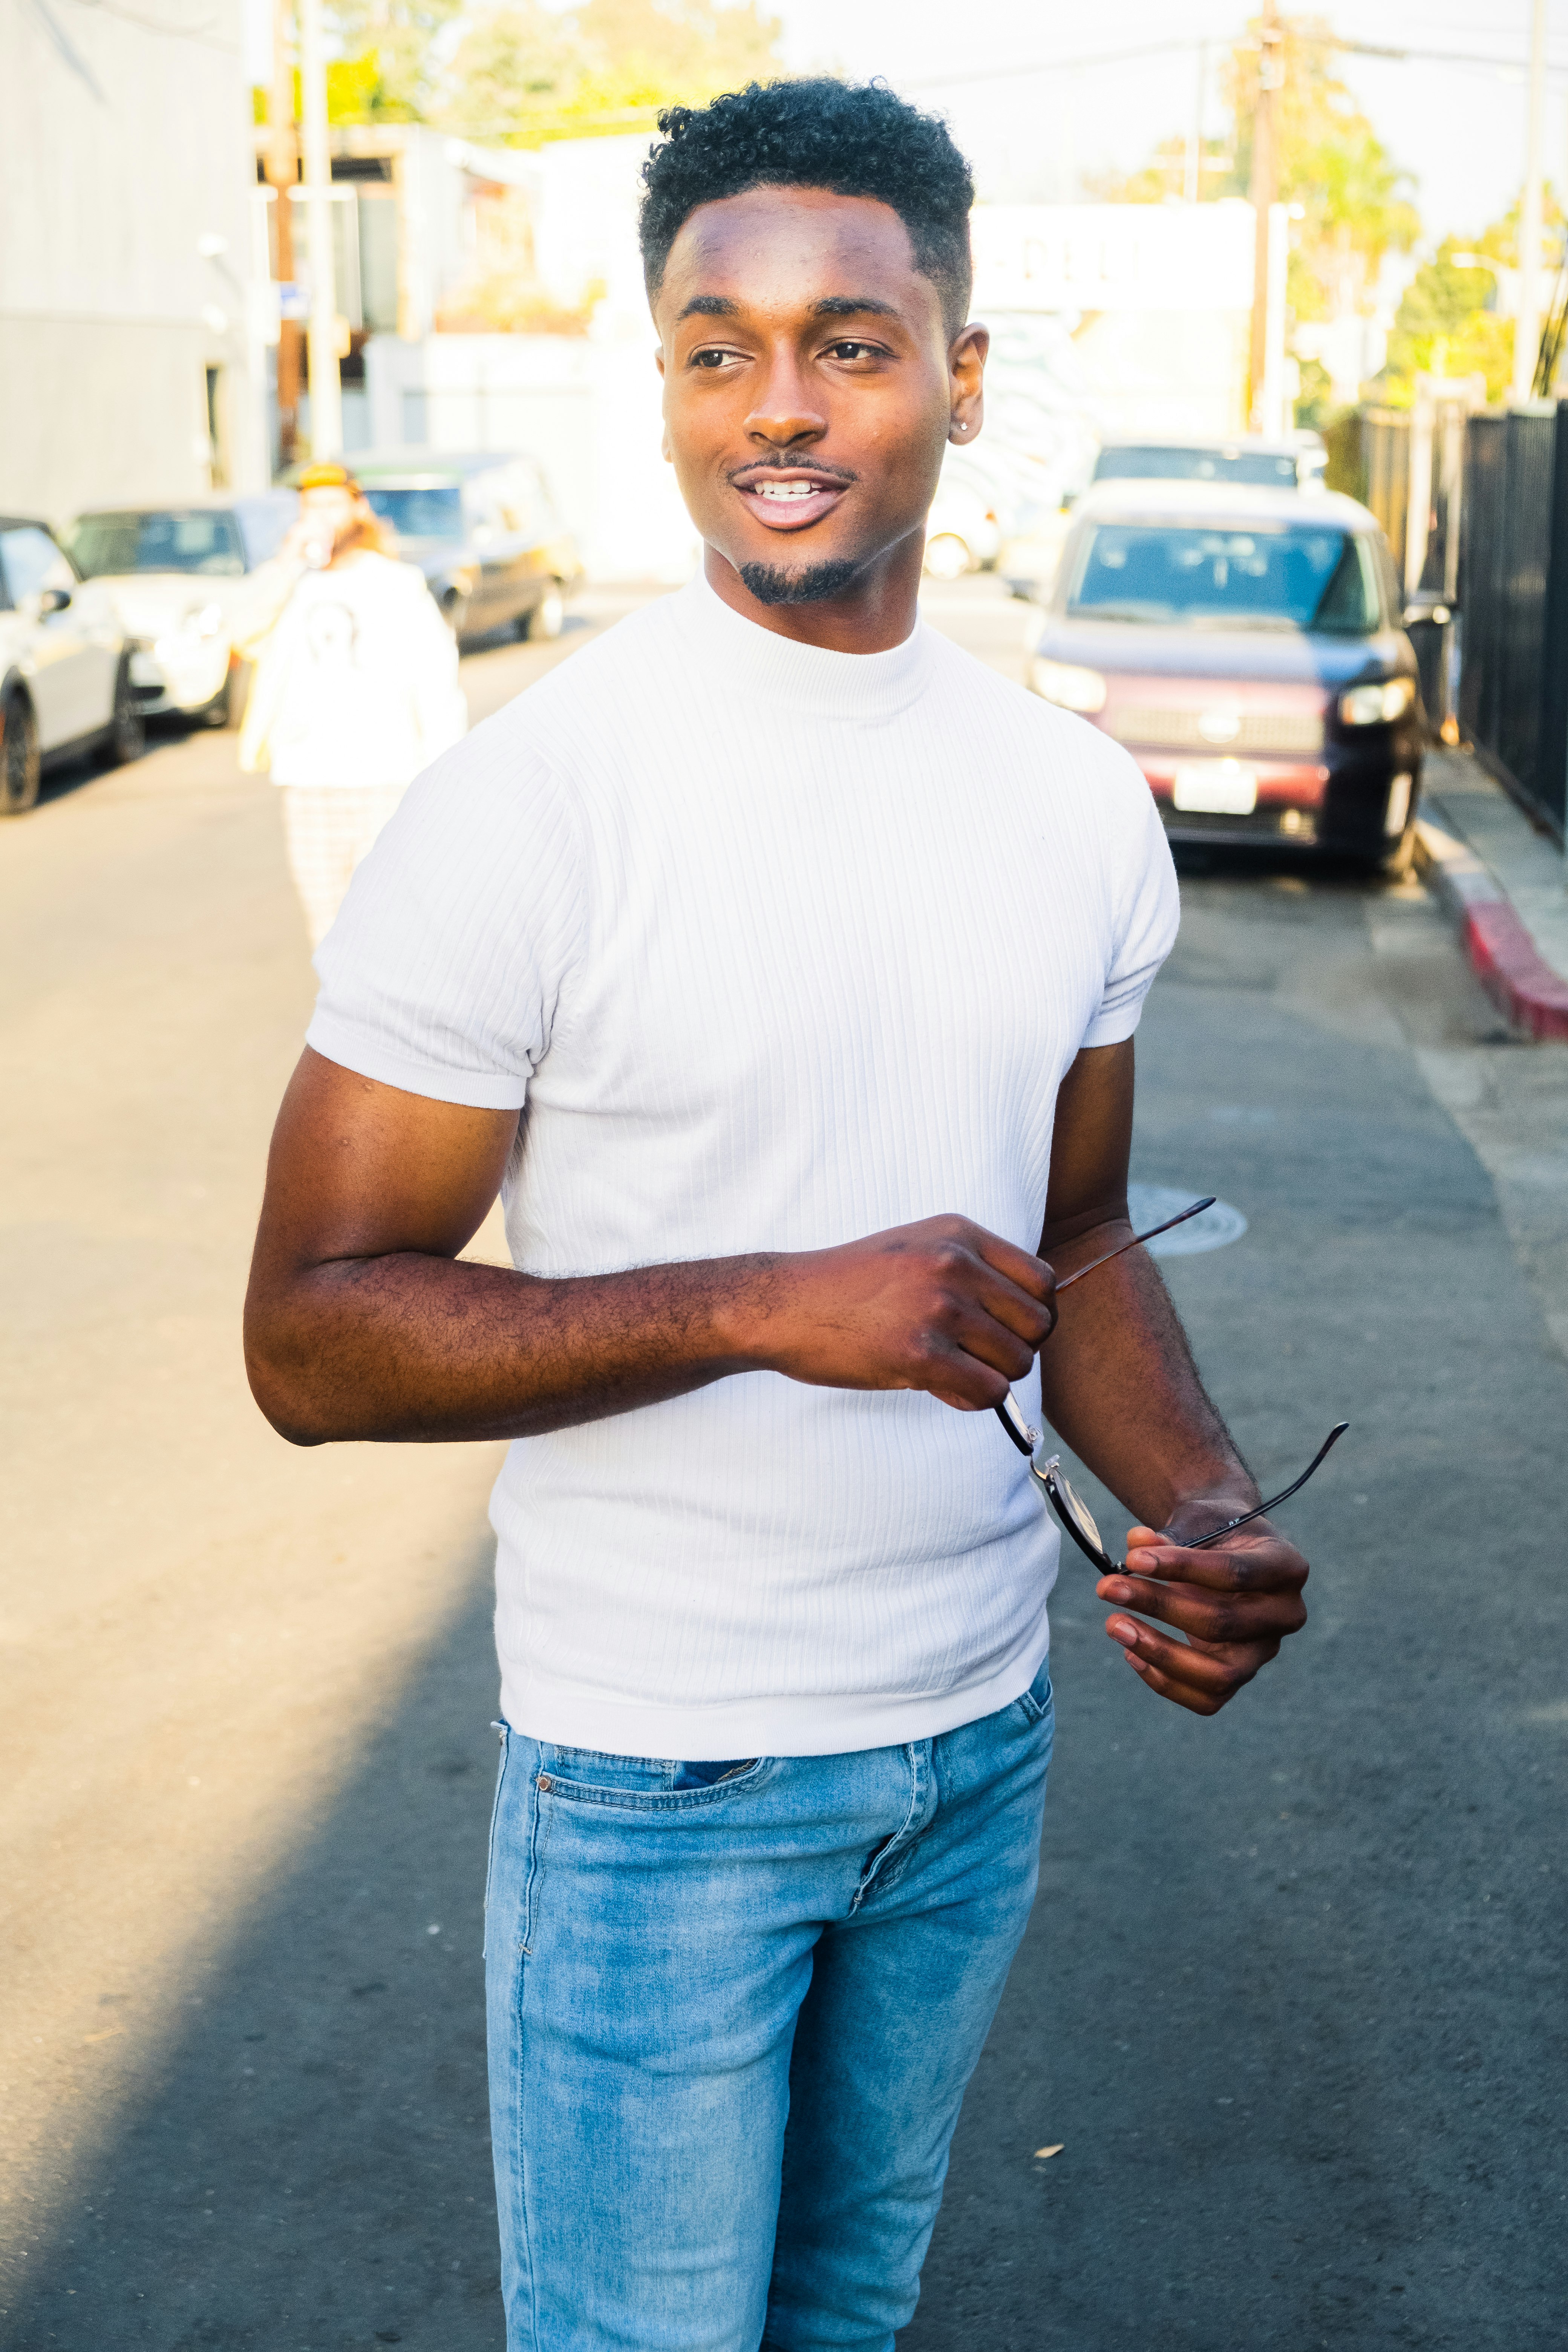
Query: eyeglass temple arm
1201 1543
1007 1413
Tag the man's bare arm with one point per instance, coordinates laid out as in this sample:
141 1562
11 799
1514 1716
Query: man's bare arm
1119 1384
362 1323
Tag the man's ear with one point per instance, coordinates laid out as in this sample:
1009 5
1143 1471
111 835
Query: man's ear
966 356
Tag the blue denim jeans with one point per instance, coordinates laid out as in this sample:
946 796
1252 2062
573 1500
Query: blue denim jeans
733 2012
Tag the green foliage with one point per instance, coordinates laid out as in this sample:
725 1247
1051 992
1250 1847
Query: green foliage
354 92
525 74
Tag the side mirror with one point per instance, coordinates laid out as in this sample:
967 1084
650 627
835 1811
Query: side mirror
52 600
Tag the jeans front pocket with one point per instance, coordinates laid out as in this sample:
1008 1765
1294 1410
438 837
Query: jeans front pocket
1034 1704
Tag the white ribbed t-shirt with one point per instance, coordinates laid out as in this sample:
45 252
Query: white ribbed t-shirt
772 947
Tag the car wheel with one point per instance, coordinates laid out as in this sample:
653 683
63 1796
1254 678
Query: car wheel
548 617
216 713
20 756
947 557
21 765
454 611
127 728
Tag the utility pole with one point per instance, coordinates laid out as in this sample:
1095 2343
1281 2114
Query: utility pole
282 167
1265 191
326 386
1527 325
1193 177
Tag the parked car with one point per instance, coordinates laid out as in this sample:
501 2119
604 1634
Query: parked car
1245 460
1248 650
963 531
65 665
178 575
486 533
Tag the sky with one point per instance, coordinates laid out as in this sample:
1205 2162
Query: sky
1035 135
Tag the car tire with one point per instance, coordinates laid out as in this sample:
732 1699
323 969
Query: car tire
127 737
544 621
21 762
216 713
454 611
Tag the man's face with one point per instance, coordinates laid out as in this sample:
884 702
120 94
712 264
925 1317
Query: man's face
809 389
330 514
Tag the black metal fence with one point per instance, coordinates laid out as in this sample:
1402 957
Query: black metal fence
1513 601
1475 507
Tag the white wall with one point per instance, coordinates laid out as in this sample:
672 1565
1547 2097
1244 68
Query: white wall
586 407
122 148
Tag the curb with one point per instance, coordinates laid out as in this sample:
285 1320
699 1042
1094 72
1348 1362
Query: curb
1502 954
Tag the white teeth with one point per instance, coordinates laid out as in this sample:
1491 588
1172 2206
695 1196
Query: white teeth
787 489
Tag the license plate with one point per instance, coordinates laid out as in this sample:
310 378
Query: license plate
1215 788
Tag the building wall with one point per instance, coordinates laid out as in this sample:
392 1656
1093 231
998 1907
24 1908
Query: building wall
129 148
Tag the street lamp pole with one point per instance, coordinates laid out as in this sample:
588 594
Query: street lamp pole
322 342
1527 325
1265 178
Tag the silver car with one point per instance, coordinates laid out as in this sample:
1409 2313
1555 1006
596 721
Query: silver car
65 665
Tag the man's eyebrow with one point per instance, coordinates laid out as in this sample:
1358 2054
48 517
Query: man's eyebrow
850 306
709 305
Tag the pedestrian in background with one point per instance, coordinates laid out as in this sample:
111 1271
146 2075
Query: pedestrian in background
355 691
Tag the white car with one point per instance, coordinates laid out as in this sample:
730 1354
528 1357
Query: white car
180 575
65 665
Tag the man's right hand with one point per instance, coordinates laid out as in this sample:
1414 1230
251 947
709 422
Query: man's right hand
941 1305
362 1322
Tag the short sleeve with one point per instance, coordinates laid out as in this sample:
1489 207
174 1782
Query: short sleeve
1148 913
443 971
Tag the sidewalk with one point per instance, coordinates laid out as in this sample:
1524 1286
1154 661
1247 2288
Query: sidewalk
1504 885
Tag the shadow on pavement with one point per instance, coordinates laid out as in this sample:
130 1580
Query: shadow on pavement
311 2170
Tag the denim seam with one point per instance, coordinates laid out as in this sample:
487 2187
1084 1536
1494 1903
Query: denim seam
490 1849
888 1855
540 1820
656 1800
520 2145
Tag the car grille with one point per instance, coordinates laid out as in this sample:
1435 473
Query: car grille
1177 731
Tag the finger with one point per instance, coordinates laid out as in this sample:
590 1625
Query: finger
1034 1276
1032 1319
1208 1615
1195 1702
1214 1673
1268 1565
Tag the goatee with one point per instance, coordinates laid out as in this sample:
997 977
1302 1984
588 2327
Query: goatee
769 584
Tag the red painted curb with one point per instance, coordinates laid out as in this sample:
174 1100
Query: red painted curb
1504 958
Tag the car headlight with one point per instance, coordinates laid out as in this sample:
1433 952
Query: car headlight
1377 706
1065 683
208 622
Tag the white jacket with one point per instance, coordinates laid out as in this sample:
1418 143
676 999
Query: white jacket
356 681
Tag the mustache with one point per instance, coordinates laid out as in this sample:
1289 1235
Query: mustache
757 467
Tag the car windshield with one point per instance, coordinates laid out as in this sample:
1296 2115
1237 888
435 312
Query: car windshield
1254 468
435 511
169 539
1293 579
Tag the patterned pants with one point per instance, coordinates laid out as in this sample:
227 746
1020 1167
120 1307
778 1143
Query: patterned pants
327 828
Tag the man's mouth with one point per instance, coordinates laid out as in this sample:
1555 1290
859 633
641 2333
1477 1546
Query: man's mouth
789 499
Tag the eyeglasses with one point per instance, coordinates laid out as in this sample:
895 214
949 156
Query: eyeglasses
1073 1513
1076 1516
1009 1412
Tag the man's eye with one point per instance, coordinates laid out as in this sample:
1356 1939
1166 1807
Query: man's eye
853 351
710 359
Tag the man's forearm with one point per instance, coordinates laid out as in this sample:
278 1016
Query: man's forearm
1119 1386
423 1347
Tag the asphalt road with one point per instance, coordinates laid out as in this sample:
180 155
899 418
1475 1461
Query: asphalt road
1292 2000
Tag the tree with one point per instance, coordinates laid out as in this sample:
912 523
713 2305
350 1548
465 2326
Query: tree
1449 323
1354 199
523 74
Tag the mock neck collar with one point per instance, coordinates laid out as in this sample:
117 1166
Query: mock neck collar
751 660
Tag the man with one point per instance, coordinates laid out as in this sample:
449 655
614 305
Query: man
779 964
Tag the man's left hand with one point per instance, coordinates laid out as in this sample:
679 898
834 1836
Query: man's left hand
1235 1604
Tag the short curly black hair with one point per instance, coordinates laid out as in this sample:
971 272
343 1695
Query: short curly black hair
856 138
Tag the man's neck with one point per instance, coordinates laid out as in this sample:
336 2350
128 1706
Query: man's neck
876 613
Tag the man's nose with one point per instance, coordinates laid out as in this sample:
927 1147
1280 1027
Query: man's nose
785 413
